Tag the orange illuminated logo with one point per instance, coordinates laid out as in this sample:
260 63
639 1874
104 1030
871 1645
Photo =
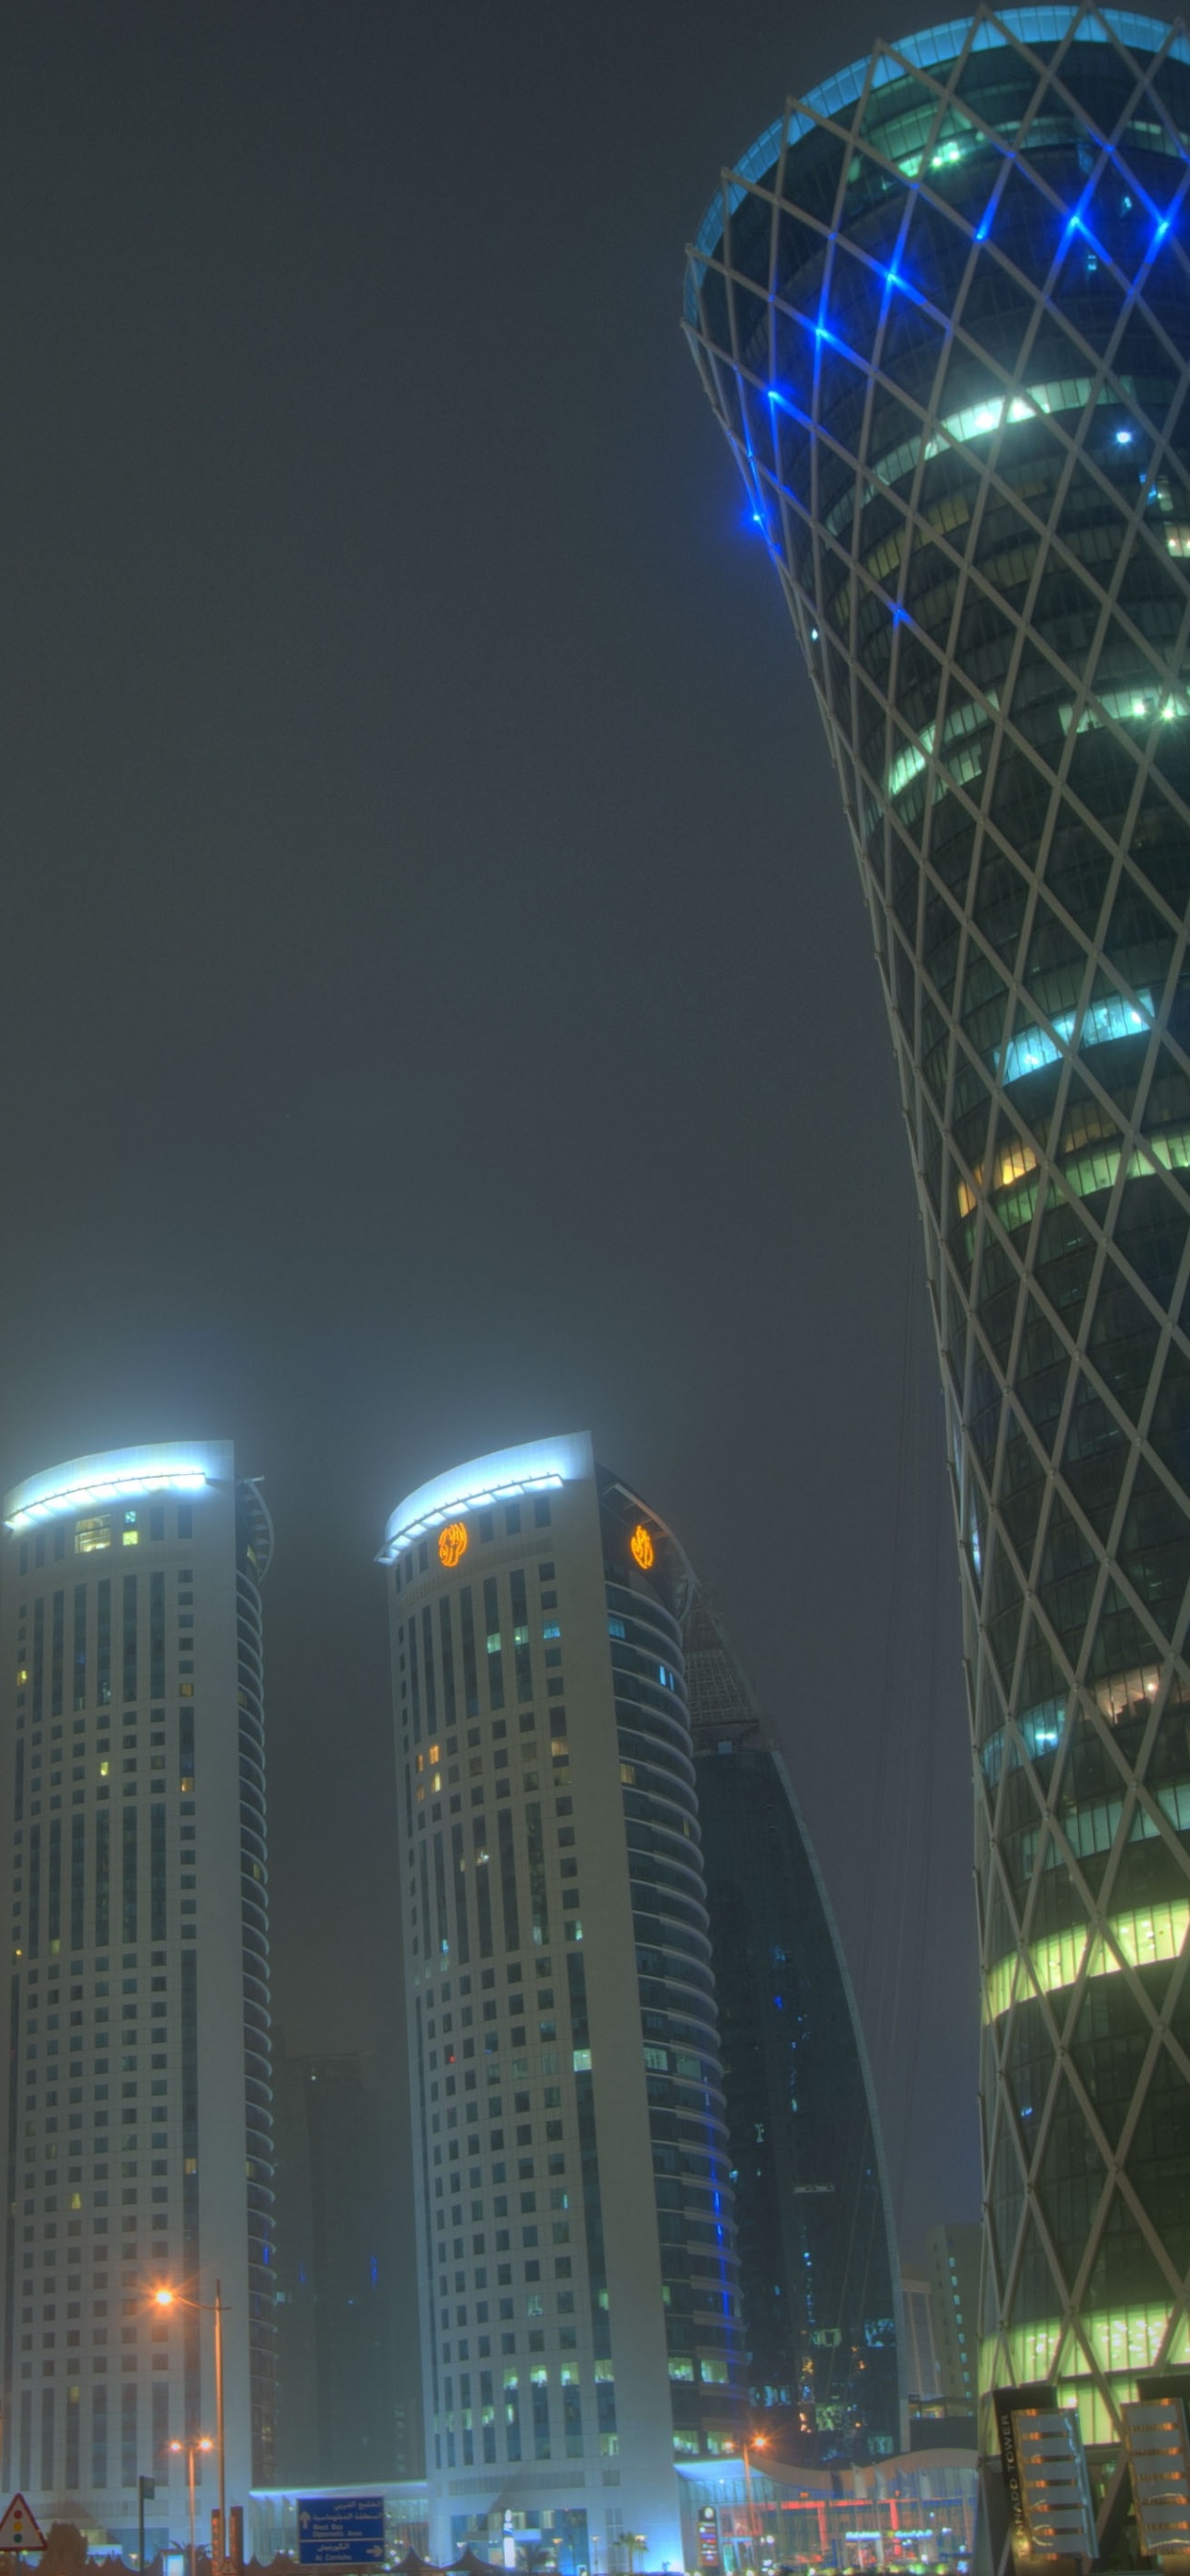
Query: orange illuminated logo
642 1546
452 1542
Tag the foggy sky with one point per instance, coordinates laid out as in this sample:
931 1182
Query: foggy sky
438 1004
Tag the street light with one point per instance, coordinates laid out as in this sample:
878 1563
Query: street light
167 2298
759 2442
204 2443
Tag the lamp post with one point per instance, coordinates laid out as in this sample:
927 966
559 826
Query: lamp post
144 2487
203 2443
759 2442
166 2298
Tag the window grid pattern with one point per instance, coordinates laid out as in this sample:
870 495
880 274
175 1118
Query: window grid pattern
943 316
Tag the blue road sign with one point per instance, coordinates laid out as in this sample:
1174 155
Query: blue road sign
341 2531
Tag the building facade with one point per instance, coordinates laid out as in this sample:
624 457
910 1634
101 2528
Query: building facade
136 2104
942 309
923 2380
954 2254
814 2231
339 2419
577 2275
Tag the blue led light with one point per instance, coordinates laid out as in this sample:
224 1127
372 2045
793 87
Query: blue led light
900 616
1124 437
984 225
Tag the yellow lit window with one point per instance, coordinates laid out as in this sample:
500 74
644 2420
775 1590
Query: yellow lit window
104 1769
434 1754
1012 1165
132 1538
92 1534
436 1782
628 1773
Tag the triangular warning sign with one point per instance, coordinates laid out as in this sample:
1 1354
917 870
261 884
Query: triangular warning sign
19 2528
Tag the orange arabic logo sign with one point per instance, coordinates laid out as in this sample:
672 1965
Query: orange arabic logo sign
642 1546
452 1542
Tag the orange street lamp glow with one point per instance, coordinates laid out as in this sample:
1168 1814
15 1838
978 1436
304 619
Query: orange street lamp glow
452 1543
164 2297
203 2443
642 1547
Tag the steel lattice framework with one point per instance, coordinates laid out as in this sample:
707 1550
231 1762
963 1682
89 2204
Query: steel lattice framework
942 310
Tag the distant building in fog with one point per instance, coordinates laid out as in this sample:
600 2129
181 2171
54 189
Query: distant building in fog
923 2384
954 2292
297 2455
818 2266
340 2419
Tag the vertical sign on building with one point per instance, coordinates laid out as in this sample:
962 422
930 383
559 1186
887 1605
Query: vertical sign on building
708 2540
1009 2403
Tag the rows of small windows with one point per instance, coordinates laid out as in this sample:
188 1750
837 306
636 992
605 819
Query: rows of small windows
534 2298
514 1518
92 2441
102 1654
128 2187
459 1887
517 2403
439 1659
438 1770
97 1531
100 1763
76 1879
63 2046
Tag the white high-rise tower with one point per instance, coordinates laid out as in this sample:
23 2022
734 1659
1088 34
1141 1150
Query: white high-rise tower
577 2273
136 2095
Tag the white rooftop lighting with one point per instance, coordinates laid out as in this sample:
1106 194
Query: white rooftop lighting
533 1468
116 1475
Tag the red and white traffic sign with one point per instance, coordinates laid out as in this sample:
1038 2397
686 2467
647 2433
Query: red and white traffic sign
19 2528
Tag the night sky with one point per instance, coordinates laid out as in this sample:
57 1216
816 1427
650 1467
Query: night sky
438 1007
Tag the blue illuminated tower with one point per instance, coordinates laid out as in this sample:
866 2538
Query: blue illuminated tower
942 309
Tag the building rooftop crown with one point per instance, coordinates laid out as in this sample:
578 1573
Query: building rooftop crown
889 62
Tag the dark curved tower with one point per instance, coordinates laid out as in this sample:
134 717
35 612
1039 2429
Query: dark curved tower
819 2282
942 309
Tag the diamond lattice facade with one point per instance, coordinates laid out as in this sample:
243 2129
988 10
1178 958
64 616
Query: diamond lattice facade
942 309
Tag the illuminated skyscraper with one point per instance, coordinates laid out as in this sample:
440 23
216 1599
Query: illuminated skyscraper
819 2283
136 2079
577 2275
942 309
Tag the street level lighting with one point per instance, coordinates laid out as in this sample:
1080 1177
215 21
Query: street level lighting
167 2298
203 2443
758 2442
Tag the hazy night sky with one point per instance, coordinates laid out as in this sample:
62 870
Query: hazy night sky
438 1007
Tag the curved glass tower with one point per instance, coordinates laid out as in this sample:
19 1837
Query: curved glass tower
818 2268
942 309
